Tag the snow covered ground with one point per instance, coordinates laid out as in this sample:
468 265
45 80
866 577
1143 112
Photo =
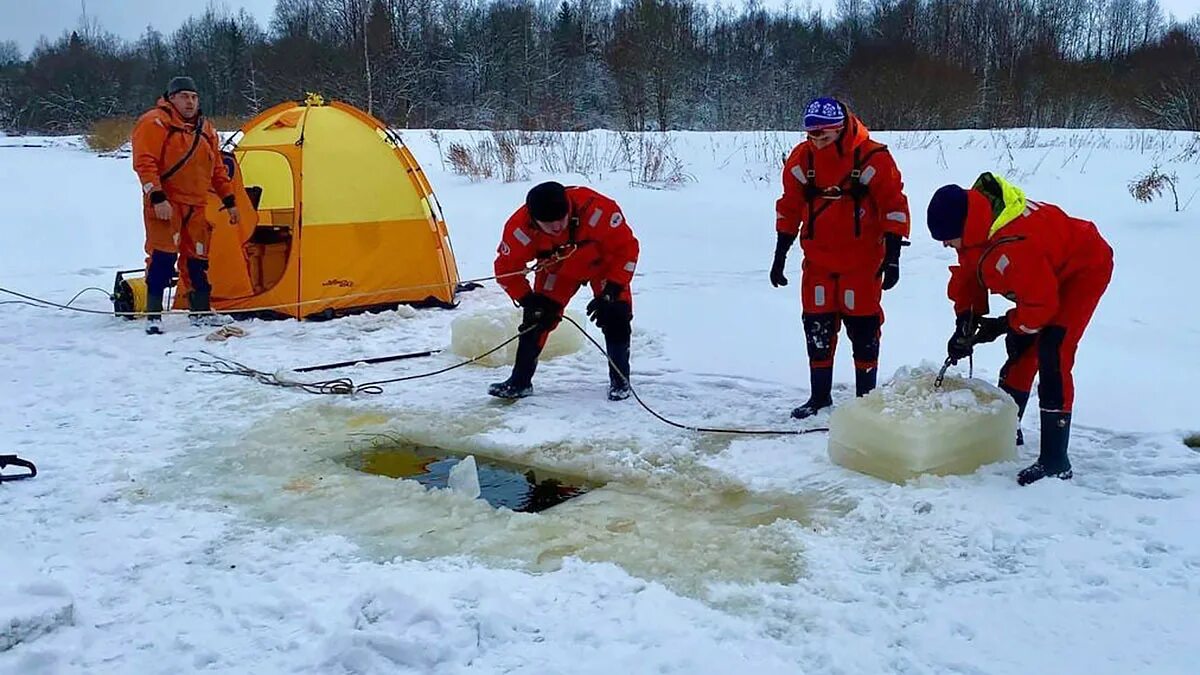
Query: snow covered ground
186 522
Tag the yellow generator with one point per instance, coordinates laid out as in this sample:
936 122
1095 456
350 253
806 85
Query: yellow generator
129 293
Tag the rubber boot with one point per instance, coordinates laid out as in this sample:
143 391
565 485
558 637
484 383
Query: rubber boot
520 383
1021 398
864 380
1052 460
154 307
158 276
821 380
200 297
618 384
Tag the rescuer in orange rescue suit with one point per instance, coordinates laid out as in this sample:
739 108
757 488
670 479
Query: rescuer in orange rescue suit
844 197
1053 267
177 158
577 236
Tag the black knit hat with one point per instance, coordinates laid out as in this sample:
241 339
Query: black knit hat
947 213
181 83
547 202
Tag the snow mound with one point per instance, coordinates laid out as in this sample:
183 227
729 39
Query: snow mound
910 427
390 629
476 333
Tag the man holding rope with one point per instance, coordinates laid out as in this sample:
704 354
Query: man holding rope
578 236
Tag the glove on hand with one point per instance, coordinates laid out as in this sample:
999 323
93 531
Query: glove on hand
539 311
890 269
783 242
960 345
607 307
990 328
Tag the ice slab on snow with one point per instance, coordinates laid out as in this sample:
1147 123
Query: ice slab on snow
31 607
908 427
475 333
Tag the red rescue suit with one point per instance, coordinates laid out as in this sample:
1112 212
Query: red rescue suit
596 246
841 200
1054 267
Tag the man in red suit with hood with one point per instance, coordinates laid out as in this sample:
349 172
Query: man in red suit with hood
844 198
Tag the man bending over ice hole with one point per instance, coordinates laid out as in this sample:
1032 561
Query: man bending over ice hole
584 239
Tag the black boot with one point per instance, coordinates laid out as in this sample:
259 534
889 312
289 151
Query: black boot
154 307
864 380
1052 460
822 393
200 297
618 383
1021 398
520 383
158 277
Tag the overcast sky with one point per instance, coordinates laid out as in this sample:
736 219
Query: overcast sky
26 20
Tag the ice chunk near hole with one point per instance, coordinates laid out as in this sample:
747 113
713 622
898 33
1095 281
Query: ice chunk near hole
476 333
464 478
31 607
908 427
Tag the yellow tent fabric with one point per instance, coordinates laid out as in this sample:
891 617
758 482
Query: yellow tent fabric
346 219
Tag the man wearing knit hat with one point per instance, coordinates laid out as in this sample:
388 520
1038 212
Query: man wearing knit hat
177 157
844 198
577 236
1053 267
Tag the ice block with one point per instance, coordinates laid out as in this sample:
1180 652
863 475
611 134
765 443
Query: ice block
475 333
908 427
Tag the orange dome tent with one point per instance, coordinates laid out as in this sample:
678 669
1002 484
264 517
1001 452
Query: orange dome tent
337 217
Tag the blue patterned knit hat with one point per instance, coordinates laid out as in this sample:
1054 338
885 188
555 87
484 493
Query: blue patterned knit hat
823 113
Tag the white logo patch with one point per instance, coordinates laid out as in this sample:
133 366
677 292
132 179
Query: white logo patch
504 249
522 237
616 220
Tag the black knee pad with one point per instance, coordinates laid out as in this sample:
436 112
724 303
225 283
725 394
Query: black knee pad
1050 375
160 271
820 334
864 336
198 274
616 322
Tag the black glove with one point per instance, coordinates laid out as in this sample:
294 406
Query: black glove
607 307
1016 343
961 345
890 269
990 328
539 311
783 242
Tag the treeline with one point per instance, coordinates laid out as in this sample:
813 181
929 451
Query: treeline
638 64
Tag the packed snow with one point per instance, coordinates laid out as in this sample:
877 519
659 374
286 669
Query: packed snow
184 521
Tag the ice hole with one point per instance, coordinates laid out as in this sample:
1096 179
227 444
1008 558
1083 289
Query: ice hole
502 484
681 523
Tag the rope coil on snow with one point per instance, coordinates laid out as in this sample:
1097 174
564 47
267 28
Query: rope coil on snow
218 365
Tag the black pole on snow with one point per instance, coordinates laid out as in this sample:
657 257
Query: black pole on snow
378 359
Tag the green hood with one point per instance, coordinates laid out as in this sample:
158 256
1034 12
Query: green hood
1007 200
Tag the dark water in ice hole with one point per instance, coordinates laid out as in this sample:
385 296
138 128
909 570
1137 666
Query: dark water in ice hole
501 484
